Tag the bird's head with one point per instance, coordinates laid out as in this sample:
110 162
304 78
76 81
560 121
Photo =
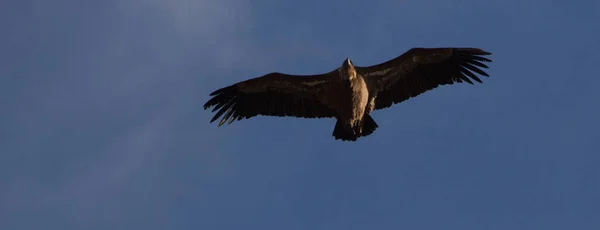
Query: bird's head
347 70
347 64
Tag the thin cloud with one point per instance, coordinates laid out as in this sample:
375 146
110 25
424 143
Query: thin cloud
124 87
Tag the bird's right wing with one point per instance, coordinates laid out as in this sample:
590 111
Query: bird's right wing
422 69
273 94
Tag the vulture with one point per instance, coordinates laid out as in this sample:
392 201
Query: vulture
349 93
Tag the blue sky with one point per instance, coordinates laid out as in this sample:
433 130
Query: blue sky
102 125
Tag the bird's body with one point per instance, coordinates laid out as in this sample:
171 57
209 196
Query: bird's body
349 93
353 87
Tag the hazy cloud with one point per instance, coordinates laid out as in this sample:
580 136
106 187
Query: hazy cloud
121 84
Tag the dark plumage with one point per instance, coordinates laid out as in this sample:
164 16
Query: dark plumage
349 93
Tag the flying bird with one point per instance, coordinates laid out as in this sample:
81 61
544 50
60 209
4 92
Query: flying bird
348 93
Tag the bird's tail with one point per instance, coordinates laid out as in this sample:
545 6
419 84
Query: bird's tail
347 133
369 125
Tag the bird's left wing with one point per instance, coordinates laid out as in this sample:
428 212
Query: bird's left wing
421 69
273 94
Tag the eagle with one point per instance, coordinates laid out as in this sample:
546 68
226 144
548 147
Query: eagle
349 93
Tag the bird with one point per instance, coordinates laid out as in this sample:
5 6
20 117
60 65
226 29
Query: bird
349 93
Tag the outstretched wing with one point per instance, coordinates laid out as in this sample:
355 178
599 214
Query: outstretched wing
273 94
420 70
